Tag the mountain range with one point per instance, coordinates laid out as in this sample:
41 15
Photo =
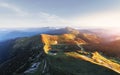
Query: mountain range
58 51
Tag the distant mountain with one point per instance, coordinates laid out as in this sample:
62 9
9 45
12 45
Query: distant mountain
16 33
107 34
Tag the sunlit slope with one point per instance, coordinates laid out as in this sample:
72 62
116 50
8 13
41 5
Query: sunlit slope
99 60
61 39
61 43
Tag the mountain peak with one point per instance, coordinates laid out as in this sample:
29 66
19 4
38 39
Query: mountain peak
72 30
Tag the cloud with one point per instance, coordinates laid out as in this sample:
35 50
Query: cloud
50 17
28 19
101 19
41 19
13 8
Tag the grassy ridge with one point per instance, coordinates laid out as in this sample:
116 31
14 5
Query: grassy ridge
63 64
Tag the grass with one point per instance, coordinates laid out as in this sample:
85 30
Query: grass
67 65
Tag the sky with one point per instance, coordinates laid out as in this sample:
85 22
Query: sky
60 13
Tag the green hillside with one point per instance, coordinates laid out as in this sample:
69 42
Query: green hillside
63 64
